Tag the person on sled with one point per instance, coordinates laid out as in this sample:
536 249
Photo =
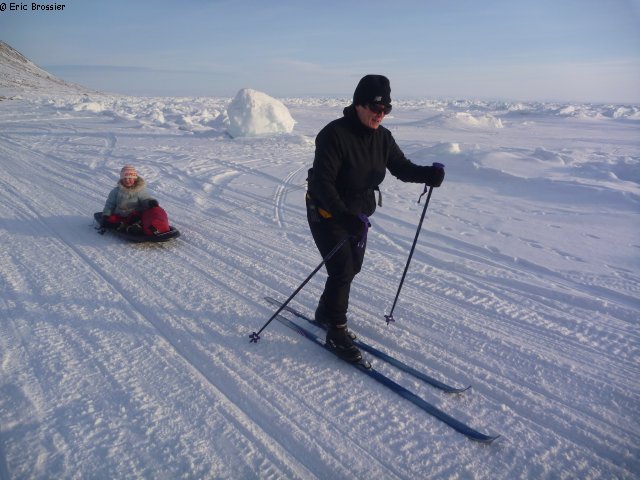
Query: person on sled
126 203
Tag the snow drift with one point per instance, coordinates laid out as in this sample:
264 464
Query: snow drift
253 113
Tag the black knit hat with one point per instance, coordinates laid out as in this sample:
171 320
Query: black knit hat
372 89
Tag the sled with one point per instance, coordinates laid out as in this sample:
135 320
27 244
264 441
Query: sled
136 237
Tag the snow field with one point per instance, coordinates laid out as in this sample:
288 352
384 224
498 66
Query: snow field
124 360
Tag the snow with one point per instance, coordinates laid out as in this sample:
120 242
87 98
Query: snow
252 113
133 361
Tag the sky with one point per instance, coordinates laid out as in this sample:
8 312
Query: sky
530 50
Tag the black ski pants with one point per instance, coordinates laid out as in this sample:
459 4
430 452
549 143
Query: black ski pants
342 267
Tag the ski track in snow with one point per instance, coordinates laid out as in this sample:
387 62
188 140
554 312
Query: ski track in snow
123 360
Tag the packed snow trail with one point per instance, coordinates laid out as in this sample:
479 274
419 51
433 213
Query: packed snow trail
370 349
366 368
122 360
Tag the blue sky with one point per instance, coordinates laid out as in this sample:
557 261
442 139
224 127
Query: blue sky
573 50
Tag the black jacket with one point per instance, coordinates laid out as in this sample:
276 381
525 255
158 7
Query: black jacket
351 161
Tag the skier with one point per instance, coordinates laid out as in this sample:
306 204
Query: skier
351 157
126 202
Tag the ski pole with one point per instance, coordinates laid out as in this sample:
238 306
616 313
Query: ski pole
389 317
255 336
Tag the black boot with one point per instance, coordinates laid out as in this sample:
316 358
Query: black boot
323 319
339 341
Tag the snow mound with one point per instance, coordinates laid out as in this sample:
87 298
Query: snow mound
440 152
252 113
86 105
445 148
463 120
483 121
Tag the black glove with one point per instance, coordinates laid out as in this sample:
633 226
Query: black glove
352 224
434 176
153 203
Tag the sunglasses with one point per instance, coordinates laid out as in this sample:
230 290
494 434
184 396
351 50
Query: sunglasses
379 108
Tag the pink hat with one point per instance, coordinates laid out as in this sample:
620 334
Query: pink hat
128 171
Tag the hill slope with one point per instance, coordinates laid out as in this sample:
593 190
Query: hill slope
19 75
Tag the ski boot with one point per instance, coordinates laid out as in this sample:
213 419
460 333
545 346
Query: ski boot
323 320
339 341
